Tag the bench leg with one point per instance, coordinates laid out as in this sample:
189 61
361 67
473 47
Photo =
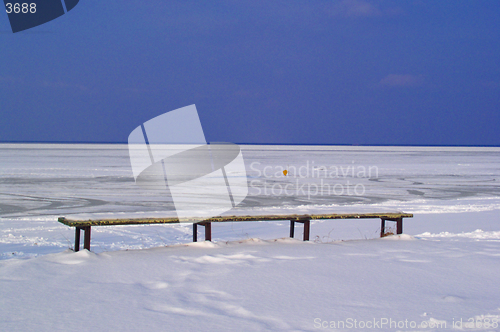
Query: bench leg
86 240
399 226
307 228
77 238
208 231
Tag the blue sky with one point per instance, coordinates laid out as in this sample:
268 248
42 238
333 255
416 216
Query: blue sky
288 72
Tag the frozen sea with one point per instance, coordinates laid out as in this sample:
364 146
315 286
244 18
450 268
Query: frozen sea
441 274
40 182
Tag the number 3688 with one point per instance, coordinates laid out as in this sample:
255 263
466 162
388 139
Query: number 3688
21 8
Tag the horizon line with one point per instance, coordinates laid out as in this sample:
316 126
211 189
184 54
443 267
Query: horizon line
290 144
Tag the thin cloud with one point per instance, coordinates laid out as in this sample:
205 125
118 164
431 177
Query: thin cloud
392 80
362 8
490 84
42 83
358 8
63 85
11 79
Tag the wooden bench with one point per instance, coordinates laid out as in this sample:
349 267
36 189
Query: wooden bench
305 219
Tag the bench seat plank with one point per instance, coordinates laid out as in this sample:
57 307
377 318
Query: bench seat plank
171 220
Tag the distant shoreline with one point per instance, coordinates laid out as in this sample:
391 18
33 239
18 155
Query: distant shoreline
270 144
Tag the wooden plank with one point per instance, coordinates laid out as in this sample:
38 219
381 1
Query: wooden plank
138 221
113 222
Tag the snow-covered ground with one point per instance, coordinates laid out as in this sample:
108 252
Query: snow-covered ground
442 274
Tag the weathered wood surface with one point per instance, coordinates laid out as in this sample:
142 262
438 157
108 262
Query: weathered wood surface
139 221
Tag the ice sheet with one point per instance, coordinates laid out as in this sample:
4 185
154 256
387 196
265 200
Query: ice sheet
441 274
65 179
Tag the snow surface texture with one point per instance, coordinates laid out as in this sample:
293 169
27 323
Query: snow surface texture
442 274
